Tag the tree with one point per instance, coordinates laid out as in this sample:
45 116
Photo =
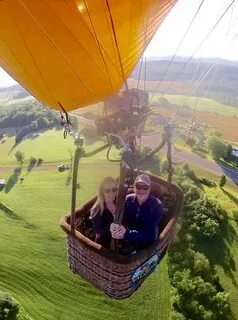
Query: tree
222 181
217 147
20 157
228 153
9 308
39 162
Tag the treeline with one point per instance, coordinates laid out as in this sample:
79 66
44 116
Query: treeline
28 118
196 290
26 115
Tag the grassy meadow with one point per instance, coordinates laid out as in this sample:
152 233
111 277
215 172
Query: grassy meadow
33 259
50 146
33 264
200 104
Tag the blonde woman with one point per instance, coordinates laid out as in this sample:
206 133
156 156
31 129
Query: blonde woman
103 211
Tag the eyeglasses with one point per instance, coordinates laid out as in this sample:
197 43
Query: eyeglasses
142 187
110 190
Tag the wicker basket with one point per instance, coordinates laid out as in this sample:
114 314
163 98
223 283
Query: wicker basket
118 275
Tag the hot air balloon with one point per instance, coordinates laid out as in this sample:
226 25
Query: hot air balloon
72 53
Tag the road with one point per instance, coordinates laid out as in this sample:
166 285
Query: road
180 156
188 157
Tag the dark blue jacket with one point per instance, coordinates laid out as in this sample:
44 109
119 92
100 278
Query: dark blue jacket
142 221
101 225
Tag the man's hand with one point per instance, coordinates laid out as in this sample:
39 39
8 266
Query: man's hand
117 231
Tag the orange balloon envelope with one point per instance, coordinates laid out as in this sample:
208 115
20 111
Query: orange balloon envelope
74 52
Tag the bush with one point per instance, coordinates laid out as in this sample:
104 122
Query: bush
203 218
39 162
164 166
19 157
191 174
222 181
207 182
9 308
235 214
191 192
217 147
186 167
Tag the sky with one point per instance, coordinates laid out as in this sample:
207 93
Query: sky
222 43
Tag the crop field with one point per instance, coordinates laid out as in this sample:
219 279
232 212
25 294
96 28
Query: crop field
225 125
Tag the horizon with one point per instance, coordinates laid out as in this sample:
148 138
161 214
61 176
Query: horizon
12 82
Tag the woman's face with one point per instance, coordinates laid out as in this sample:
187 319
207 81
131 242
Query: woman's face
109 191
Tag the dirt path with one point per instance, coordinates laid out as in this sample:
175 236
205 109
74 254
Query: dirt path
52 165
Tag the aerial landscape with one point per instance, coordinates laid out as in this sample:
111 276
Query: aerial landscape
172 117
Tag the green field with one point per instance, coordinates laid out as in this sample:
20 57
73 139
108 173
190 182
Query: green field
33 263
200 104
50 146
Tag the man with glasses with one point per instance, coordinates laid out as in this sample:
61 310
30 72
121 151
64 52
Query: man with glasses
142 215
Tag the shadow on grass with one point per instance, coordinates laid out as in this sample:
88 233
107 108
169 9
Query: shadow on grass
68 179
14 216
13 179
231 196
218 250
30 167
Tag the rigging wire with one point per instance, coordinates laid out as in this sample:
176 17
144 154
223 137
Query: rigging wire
145 74
138 81
116 42
179 46
203 76
201 43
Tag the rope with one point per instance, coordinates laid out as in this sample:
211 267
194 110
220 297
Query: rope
117 47
179 46
169 133
78 154
202 42
65 121
145 75
138 81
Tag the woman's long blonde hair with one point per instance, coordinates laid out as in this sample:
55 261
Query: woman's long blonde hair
99 203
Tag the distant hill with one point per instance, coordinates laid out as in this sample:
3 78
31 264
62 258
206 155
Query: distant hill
212 78
13 93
